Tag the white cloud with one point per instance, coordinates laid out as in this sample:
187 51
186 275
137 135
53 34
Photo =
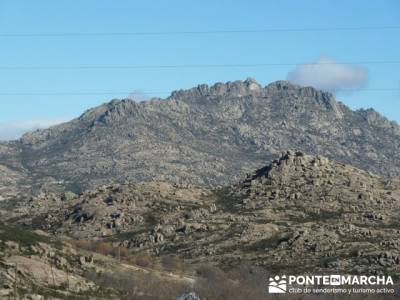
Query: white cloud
327 74
138 96
14 130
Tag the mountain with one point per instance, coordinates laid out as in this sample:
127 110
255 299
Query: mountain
329 215
149 199
205 136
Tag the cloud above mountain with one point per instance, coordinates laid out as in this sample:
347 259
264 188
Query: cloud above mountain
14 130
138 96
327 74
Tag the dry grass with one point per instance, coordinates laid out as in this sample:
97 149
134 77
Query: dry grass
211 282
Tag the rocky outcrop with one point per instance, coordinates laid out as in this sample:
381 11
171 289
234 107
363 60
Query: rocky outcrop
206 136
329 215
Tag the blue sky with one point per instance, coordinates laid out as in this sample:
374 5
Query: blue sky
17 113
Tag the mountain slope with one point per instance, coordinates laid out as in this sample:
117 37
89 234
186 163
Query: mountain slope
206 136
34 265
328 215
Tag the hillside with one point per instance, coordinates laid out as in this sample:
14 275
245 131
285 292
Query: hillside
205 136
329 215
34 265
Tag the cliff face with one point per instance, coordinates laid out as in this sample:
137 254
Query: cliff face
208 135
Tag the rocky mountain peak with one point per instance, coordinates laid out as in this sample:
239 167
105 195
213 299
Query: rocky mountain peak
309 178
372 117
284 93
206 136
112 110
288 164
282 85
231 88
286 89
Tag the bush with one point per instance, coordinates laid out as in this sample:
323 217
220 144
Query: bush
215 284
172 263
105 248
142 260
23 237
137 285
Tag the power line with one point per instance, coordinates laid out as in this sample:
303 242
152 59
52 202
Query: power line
158 93
198 32
77 93
193 66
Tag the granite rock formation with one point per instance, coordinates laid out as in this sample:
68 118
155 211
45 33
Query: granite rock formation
206 136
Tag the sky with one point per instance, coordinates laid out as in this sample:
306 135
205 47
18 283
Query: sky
24 104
